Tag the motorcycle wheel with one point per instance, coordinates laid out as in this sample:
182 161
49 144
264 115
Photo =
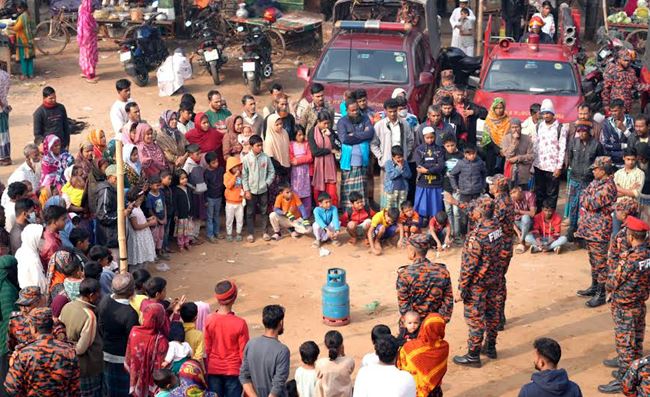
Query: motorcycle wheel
254 85
142 78
214 71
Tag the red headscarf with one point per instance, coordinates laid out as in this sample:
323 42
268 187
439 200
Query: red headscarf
208 141
151 155
146 350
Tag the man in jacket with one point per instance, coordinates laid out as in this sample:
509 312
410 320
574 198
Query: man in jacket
470 113
549 381
453 118
517 149
640 135
616 129
435 121
307 112
512 11
51 118
106 206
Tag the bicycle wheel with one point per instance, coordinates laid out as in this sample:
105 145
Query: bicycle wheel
51 37
278 47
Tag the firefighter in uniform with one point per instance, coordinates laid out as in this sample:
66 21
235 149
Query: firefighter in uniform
478 283
595 226
628 286
636 382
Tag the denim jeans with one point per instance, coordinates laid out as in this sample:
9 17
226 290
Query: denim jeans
560 241
214 213
225 385
524 225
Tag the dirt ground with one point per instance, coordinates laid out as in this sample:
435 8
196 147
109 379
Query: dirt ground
542 300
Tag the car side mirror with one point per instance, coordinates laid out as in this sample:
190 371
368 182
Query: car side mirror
303 72
473 81
425 78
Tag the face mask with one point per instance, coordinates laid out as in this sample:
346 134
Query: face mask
32 218
403 113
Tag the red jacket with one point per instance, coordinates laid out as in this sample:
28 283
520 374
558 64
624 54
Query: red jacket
225 336
545 229
50 246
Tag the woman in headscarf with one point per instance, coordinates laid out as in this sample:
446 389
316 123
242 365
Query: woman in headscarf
192 383
208 138
127 134
276 146
87 39
109 152
8 296
98 138
132 166
24 30
426 357
58 282
54 162
30 267
171 140
321 144
151 155
146 350
84 159
231 145
497 124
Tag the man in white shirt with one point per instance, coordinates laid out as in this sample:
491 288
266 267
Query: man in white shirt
30 171
118 113
529 126
456 22
15 191
250 116
384 379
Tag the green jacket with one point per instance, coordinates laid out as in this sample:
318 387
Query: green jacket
258 173
8 296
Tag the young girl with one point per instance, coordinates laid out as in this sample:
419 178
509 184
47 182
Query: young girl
179 350
140 245
132 165
183 217
301 161
430 161
322 145
334 373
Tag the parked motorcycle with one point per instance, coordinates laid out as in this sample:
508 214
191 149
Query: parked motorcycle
256 61
210 50
144 52
463 65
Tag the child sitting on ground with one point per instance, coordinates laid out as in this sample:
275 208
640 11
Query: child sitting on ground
179 350
378 331
288 212
140 244
410 327
382 228
545 235
396 180
326 221
440 230
358 218
306 373
166 381
408 222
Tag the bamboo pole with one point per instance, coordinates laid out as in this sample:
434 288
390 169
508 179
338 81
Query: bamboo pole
121 220
604 2
479 28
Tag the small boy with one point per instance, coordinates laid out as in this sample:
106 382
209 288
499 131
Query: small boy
382 227
306 374
104 257
166 381
410 326
358 218
288 212
196 181
452 156
168 196
408 222
156 206
257 175
80 240
326 221
193 336
55 218
396 180
545 235
467 180
440 230
234 196
214 195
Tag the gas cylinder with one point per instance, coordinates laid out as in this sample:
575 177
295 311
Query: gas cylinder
336 298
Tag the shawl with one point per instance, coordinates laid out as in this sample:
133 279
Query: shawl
171 140
192 381
231 145
497 126
126 156
324 166
95 137
53 166
209 141
126 132
85 165
151 155
87 28
276 145
145 351
30 267
426 357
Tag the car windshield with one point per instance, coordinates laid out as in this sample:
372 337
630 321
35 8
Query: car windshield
536 77
363 66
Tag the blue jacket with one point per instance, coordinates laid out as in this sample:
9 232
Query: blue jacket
468 177
351 134
431 157
612 142
326 217
550 383
396 178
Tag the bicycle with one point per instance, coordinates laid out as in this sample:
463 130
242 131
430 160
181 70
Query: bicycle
53 35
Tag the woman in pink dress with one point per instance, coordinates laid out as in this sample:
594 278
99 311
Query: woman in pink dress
87 39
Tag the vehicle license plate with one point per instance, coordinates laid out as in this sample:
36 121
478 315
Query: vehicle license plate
248 66
211 55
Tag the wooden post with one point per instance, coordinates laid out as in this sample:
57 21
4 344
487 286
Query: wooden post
121 221
479 28
605 15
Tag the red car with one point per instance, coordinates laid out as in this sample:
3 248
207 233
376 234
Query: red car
378 57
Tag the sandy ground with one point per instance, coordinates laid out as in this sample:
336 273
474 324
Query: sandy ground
542 299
